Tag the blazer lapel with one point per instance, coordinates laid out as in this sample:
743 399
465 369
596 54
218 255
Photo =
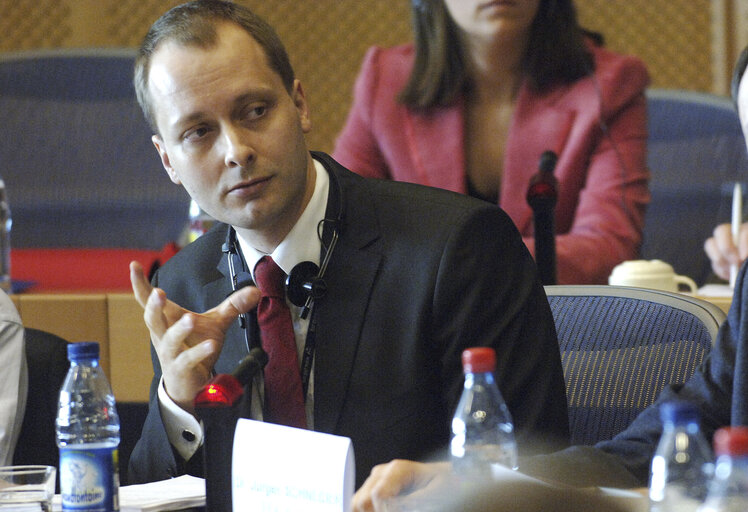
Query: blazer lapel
214 292
340 314
538 125
435 142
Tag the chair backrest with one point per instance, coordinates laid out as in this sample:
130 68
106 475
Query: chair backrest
620 346
47 359
76 154
695 151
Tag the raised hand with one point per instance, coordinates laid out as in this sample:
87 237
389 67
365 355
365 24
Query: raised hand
187 344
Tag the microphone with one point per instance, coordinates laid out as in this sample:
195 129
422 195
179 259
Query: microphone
215 406
541 196
250 366
225 390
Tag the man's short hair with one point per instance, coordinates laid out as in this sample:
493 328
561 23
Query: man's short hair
737 74
194 24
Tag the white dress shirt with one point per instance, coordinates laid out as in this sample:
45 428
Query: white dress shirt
13 378
301 244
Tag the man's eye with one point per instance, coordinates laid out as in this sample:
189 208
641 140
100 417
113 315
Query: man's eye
196 133
256 112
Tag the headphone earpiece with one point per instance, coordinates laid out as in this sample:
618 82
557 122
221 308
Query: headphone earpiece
303 281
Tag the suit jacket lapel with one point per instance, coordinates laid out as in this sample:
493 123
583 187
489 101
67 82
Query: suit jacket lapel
538 124
437 148
340 314
214 292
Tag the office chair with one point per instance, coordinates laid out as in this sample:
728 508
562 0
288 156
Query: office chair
620 346
695 152
76 154
47 359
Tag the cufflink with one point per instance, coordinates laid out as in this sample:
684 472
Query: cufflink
188 436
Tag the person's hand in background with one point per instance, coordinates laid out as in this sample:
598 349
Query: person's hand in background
723 252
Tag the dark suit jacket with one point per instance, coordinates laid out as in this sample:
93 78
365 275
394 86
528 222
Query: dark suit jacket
418 275
718 388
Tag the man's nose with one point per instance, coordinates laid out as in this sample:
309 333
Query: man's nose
239 150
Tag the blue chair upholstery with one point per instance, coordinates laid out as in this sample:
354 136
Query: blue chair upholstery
76 154
696 151
620 346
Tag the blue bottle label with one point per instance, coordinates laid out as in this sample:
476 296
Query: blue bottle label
89 478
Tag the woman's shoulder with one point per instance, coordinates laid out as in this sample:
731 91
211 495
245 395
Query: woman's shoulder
614 70
392 64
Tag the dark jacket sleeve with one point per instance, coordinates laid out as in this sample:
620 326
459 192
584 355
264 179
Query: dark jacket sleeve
488 294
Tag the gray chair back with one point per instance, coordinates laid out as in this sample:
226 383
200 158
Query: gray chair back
620 346
695 152
76 154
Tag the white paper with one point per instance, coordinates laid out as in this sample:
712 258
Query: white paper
174 494
277 468
715 290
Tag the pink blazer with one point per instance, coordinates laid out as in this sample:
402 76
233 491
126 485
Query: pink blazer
597 126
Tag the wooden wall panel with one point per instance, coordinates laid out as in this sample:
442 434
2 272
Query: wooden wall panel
687 44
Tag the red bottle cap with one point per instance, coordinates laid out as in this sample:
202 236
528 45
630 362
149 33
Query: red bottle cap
731 441
478 360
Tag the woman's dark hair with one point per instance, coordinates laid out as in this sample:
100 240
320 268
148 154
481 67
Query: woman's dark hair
194 24
737 74
556 53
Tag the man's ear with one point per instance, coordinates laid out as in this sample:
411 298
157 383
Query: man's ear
161 148
299 99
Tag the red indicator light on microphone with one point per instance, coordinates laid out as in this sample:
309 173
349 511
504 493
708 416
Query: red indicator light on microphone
223 390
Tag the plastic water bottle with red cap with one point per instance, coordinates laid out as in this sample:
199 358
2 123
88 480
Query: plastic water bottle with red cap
728 490
482 428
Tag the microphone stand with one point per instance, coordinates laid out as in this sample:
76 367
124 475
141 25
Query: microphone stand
217 406
541 196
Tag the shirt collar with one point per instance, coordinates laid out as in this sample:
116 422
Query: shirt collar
298 245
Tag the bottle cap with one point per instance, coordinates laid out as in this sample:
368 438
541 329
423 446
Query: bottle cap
731 441
83 350
679 413
478 360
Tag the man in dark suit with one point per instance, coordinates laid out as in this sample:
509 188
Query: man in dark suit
415 275
718 389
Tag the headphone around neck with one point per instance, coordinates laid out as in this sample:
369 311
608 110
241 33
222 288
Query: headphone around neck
305 283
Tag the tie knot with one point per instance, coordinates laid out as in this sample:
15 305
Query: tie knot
270 278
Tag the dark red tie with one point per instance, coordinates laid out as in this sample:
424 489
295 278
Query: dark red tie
284 398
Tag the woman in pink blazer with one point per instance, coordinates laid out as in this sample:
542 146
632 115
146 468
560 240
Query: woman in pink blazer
489 86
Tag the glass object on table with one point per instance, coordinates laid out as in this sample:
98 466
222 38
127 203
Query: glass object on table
27 488
482 428
728 490
88 434
683 462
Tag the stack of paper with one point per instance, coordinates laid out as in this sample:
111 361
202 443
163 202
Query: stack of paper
173 494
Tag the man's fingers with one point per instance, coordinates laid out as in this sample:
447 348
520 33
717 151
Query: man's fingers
141 287
239 302
384 482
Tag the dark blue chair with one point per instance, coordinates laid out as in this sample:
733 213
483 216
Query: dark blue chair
76 154
620 346
696 152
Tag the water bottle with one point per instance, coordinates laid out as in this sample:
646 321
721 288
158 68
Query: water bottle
87 434
682 464
6 223
200 222
728 490
482 428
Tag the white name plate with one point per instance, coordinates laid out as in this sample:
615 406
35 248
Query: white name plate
277 468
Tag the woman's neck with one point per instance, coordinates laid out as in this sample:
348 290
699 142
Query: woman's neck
495 67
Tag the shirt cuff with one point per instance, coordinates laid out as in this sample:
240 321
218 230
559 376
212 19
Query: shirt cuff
183 430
